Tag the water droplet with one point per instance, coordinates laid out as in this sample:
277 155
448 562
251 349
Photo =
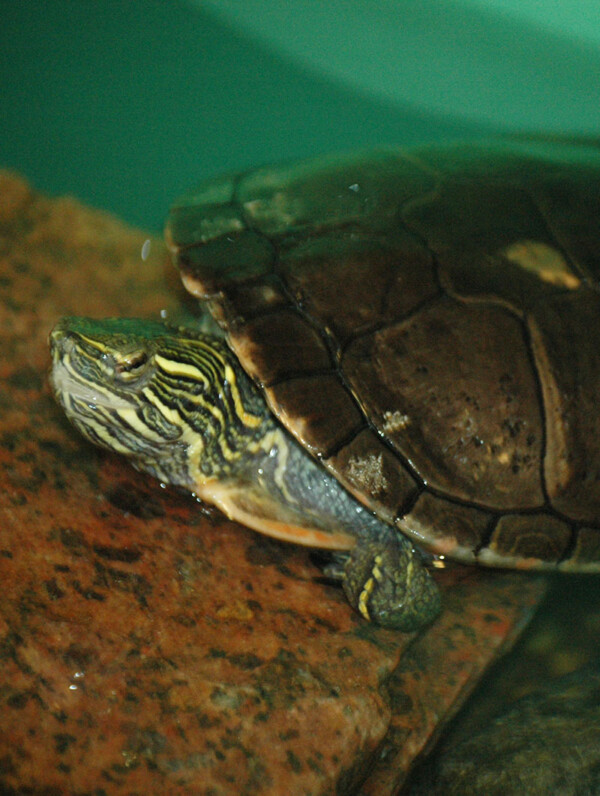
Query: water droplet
146 246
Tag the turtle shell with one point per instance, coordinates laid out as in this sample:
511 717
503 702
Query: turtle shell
427 324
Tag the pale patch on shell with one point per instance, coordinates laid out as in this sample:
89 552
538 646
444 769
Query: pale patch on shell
367 473
544 261
210 228
276 213
268 295
394 421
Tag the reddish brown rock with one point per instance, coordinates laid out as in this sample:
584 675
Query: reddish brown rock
149 645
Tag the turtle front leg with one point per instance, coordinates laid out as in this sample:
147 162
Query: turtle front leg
387 582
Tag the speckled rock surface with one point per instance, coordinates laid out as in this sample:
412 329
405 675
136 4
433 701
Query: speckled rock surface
148 645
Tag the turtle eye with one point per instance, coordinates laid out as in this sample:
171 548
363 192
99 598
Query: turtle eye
131 366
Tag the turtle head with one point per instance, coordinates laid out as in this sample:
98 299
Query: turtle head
174 401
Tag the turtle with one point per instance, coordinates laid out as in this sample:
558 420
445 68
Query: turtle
397 362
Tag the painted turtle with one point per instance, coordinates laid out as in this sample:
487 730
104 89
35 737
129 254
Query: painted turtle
423 323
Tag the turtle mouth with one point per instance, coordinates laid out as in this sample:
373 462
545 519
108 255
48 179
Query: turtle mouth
67 389
69 384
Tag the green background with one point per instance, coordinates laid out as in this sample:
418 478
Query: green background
127 104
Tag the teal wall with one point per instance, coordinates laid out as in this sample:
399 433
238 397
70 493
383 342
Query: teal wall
125 104
507 62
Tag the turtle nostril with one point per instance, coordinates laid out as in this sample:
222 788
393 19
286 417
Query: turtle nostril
65 346
60 340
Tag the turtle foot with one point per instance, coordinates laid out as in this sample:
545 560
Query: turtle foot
389 585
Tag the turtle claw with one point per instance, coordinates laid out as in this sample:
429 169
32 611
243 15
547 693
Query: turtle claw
389 585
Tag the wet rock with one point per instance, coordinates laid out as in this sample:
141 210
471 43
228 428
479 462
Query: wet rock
548 742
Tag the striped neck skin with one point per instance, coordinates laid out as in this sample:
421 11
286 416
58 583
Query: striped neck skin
175 401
